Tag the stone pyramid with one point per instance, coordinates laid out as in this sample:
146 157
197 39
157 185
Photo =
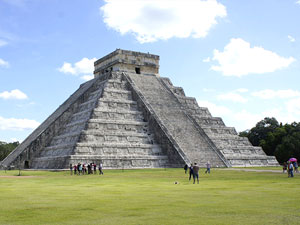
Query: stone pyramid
130 117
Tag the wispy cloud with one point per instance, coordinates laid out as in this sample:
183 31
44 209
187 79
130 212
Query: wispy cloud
298 2
4 63
152 20
271 94
84 67
232 96
206 59
239 59
17 124
2 43
291 39
87 77
14 94
215 110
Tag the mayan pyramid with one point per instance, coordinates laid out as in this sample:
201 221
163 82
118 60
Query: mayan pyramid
130 117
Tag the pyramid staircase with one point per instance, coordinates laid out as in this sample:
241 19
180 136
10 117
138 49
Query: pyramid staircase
237 151
109 128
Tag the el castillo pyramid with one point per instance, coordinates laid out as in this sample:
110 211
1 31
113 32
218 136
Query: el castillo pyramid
130 117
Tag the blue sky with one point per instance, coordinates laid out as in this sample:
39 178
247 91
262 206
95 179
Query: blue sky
241 59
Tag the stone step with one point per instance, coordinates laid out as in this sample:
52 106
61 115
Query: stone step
95 94
87 105
116 84
242 156
65 138
116 114
221 143
104 136
124 162
74 126
110 103
252 162
116 149
58 150
209 121
61 146
120 157
219 130
82 115
117 94
125 125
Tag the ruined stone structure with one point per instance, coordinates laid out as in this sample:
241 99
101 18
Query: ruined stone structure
130 117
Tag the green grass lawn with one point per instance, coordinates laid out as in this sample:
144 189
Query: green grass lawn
149 197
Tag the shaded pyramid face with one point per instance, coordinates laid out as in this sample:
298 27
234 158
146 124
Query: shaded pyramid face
107 127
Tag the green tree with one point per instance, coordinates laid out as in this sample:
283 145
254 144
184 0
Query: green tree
261 130
6 148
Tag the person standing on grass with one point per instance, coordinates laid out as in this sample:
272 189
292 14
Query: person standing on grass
71 169
291 169
295 164
196 172
95 168
207 167
75 169
185 168
284 167
191 171
100 169
79 168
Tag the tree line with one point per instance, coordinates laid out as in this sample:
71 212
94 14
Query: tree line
276 139
6 148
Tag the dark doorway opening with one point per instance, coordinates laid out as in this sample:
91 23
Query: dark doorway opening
138 70
26 165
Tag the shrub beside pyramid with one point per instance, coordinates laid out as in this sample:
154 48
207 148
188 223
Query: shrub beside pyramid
130 117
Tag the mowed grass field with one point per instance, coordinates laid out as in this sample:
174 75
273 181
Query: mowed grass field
149 197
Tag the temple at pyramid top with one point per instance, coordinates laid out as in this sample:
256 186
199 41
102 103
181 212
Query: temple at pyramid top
128 61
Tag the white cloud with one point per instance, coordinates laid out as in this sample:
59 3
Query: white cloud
87 77
17 124
269 94
84 66
293 106
2 43
14 94
298 2
291 39
214 109
244 120
206 59
152 20
232 96
240 59
3 63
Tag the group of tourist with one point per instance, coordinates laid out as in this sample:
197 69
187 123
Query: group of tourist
194 171
82 169
290 167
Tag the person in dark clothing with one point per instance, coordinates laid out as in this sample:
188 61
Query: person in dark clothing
95 168
196 172
185 168
75 169
71 169
191 171
89 168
